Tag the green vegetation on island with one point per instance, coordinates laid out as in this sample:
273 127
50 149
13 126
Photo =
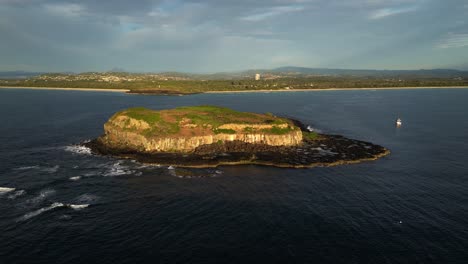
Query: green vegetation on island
200 120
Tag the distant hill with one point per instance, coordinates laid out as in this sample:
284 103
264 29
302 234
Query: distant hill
287 71
431 73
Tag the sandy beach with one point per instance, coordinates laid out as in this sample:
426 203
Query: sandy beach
242 91
339 89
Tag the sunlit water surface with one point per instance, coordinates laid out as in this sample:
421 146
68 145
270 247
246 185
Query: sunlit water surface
69 206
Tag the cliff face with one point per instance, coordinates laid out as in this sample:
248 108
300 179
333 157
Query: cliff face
124 131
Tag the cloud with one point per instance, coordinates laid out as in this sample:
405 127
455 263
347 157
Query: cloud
386 12
82 35
270 12
65 9
454 40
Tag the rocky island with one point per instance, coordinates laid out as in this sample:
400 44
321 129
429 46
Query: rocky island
208 136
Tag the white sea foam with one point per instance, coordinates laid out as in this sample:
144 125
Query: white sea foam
53 169
6 190
40 211
91 174
118 170
41 197
312 129
78 149
325 152
78 206
16 194
75 178
27 167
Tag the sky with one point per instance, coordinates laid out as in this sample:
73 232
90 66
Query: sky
231 35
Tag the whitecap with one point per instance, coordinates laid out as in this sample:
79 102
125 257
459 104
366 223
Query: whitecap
90 174
75 178
27 167
6 190
40 211
118 170
16 194
78 149
312 129
170 168
78 206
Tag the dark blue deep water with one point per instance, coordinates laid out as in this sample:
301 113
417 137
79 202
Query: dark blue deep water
409 207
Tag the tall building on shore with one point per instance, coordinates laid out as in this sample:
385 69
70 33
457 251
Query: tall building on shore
257 76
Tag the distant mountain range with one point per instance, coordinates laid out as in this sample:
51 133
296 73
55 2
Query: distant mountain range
290 71
437 73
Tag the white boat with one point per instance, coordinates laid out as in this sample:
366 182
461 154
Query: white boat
399 122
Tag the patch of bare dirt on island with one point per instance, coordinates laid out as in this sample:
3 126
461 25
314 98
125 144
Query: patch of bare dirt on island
194 131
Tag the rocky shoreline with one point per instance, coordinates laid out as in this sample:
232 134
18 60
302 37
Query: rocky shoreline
327 150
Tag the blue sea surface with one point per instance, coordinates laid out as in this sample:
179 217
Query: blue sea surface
70 206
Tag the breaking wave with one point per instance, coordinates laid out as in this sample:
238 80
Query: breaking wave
16 194
312 129
75 178
27 167
77 206
78 149
41 197
118 169
40 211
6 190
41 168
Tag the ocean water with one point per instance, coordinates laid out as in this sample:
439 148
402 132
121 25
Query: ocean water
60 204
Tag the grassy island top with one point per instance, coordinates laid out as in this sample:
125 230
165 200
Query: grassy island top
200 120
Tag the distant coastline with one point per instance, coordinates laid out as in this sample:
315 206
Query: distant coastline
68 89
241 91
340 89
